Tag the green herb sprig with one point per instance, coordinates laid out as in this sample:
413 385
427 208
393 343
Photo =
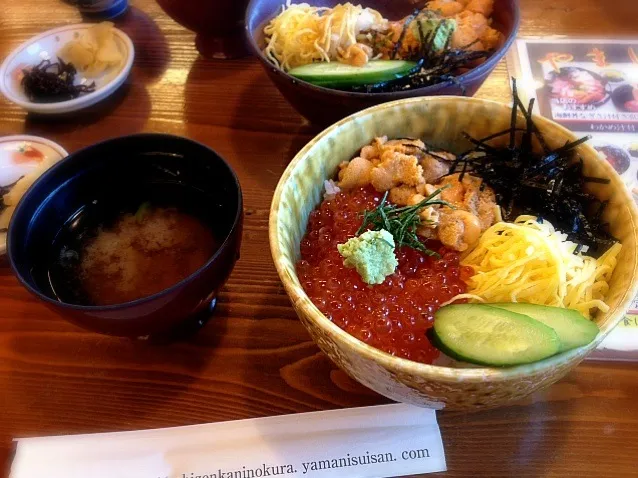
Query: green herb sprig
402 222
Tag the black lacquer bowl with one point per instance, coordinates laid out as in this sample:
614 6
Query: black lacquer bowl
171 171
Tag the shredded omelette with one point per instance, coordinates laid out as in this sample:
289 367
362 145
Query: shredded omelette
529 261
302 34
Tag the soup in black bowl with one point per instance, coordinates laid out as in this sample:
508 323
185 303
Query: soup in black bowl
132 236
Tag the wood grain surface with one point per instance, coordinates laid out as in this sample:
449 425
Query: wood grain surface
255 359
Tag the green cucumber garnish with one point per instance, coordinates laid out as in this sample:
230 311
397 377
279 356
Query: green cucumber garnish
572 328
340 75
487 335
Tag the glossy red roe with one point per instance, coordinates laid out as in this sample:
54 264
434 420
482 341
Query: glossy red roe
393 316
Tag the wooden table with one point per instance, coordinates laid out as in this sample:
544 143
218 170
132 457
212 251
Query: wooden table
255 359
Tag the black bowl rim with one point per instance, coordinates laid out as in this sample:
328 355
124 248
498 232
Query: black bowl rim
431 90
143 300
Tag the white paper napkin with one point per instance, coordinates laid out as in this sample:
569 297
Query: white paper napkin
369 442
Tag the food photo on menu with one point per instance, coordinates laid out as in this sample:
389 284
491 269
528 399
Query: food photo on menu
316 239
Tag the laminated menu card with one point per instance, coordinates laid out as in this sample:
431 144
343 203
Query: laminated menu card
589 86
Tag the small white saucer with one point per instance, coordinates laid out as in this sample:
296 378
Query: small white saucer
11 171
45 47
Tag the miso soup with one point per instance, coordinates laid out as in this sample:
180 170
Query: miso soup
133 256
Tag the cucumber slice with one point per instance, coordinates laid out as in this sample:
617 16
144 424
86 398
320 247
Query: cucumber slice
485 335
572 328
339 75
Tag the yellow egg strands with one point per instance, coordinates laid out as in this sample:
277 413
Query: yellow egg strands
302 34
528 261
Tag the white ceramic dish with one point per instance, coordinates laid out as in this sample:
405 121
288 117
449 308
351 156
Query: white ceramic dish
11 170
45 47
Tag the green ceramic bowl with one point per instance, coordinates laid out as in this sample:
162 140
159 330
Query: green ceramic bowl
440 121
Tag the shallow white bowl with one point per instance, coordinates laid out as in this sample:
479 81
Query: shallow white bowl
45 46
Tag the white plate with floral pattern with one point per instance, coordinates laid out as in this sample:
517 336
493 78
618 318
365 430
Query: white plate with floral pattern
22 160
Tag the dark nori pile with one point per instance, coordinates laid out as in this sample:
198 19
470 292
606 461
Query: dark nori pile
51 82
550 185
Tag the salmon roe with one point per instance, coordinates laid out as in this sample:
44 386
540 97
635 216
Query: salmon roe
393 316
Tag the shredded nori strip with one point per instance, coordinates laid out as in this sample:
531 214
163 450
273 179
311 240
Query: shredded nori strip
549 185
404 30
52 82
429 150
